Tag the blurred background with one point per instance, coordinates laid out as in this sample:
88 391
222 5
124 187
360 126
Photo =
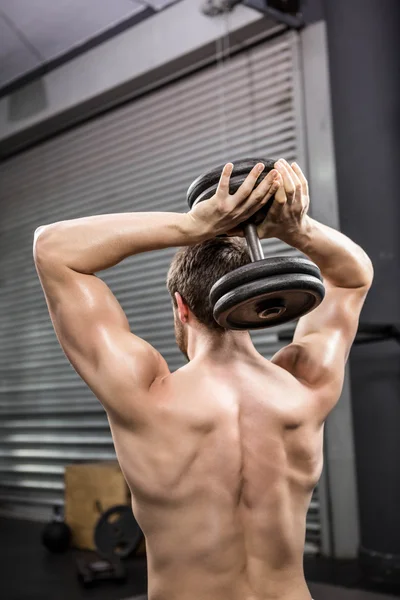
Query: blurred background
117 105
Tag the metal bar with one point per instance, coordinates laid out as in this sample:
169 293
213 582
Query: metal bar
253 242
292 21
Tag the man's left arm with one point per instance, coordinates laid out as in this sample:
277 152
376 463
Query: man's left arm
89 322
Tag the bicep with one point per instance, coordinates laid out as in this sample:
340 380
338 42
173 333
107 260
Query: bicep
94 333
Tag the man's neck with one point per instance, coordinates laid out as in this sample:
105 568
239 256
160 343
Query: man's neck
220 347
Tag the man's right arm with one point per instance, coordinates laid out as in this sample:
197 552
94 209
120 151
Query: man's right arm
323 338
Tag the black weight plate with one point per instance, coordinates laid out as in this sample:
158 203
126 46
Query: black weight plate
269 302
117 532
206 184
262 269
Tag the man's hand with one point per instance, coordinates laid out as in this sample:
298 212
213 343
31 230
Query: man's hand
223 212
288 214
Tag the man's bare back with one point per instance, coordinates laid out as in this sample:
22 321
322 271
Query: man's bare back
222 469
221 456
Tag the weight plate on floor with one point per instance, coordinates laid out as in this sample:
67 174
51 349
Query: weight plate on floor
117 532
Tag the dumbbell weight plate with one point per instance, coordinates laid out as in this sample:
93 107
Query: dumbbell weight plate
267 293
206 185
263 269
269 302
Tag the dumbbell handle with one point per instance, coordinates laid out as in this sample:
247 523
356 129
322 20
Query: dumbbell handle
253 242
250 232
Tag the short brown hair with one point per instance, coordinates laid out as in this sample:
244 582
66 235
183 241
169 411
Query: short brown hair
195 269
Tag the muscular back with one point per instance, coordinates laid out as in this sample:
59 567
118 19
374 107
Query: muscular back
222 456
222 467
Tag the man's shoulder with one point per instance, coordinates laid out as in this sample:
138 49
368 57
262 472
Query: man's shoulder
288 358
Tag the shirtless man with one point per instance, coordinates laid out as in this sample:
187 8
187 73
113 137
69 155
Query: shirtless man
221 456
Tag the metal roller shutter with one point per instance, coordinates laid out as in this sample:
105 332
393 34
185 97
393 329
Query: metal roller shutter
141 156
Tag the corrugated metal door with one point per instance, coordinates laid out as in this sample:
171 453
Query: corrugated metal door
141 156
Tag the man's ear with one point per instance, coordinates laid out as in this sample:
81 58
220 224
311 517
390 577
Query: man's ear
182 308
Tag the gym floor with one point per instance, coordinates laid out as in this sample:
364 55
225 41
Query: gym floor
28 572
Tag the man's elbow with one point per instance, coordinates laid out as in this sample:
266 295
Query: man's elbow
43 245
368 269
38 242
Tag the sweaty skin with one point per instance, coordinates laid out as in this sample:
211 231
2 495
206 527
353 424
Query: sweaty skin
221 456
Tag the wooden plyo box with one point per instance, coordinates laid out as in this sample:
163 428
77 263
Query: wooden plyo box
85 486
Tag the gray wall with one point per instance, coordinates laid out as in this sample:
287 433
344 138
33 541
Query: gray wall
364 50
364 47
339 514
313 11
125 65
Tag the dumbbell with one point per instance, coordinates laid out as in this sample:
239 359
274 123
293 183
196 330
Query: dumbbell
268 291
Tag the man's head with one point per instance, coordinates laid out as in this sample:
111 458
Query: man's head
193 272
